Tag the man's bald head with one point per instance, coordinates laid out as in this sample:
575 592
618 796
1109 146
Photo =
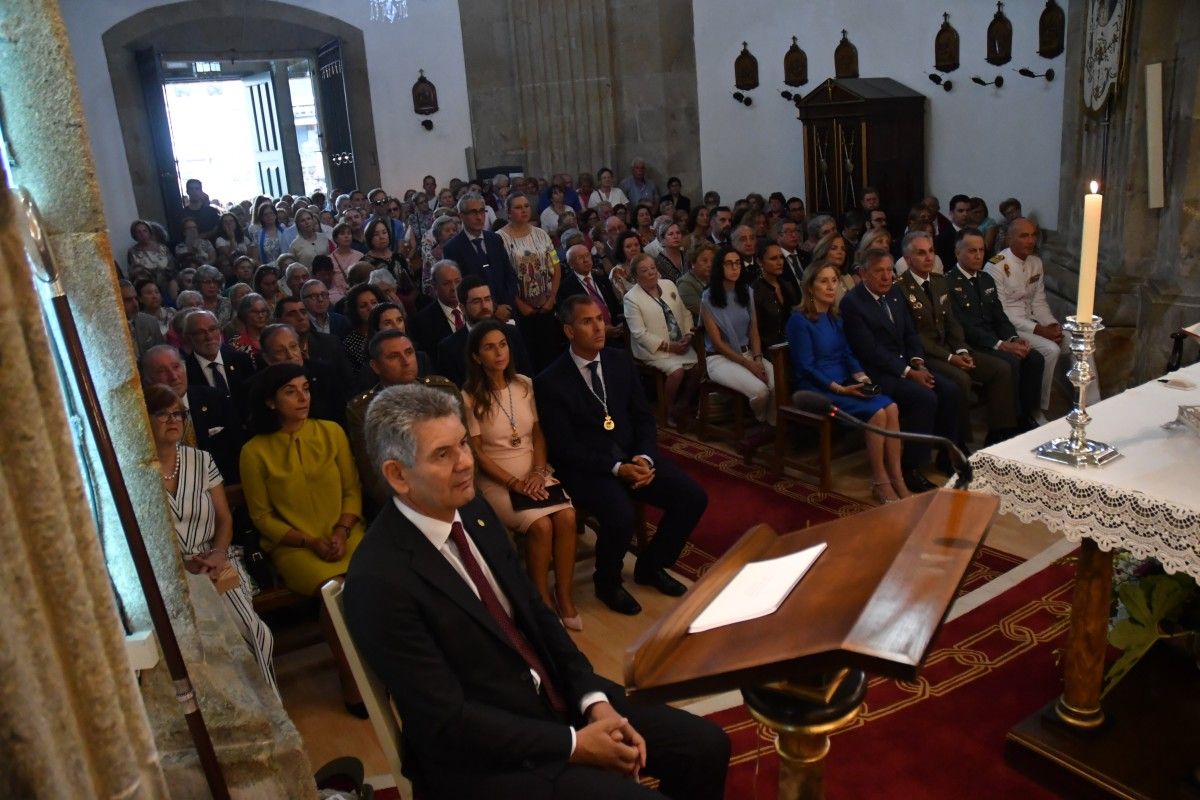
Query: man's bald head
1022 237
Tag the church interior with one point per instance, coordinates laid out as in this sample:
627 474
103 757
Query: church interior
1003 599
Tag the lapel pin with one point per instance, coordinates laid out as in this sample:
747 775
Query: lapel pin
479 522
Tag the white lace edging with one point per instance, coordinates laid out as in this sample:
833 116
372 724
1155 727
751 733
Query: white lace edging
1112 517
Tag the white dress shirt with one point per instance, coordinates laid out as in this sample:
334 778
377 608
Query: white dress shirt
207 370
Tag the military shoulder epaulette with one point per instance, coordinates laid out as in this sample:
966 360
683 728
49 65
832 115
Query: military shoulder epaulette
996 259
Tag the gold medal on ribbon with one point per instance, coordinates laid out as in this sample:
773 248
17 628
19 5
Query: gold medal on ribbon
516 438
608 423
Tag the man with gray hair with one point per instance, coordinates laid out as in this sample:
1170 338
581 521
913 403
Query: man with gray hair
478 251
213 363
582 278
637 187
496 698
444 315
819 227
294 277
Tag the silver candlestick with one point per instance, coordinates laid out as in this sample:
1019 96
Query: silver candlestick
1077 450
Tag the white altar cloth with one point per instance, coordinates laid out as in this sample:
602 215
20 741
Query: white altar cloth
1146 502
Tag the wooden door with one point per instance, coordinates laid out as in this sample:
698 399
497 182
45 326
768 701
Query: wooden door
166 169
334 111
268 153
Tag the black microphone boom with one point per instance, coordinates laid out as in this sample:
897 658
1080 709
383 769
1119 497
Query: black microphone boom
816 403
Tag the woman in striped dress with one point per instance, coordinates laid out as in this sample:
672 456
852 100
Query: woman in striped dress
202 519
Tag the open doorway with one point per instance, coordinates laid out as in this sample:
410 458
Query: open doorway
245 128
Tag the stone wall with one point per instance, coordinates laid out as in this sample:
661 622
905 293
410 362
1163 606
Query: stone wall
572 86
1149 282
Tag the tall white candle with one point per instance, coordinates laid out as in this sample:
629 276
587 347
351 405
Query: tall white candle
1087 254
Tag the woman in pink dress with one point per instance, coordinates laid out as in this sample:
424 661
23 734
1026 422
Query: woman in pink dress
511 452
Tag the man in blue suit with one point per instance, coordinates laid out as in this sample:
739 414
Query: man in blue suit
884 339
480 252
600 436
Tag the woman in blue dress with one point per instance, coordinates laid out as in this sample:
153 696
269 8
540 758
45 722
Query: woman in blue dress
822 362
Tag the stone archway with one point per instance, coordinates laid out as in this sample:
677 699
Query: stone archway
224 30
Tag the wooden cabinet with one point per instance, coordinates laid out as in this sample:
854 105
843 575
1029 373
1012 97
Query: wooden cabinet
862 132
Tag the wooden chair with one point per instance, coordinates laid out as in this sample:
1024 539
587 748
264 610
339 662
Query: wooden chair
708 387
384 718
659 380
786 415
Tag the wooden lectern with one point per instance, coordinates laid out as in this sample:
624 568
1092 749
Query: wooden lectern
872 602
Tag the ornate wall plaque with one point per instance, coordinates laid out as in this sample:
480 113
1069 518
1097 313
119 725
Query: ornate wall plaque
1051 28
745 70
945 47
999 38
424 95
845 59
795 65
1103 44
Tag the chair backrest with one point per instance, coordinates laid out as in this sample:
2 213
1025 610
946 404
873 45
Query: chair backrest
781 364
701 353
384 718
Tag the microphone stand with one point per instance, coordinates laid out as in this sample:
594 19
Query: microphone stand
963 471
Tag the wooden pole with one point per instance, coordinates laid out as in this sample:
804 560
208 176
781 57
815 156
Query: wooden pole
1083 667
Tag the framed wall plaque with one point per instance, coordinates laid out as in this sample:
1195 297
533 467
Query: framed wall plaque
795 65
745 70
945 47
1052 26
845 59
999 38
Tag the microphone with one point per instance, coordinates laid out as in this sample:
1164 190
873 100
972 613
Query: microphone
817 403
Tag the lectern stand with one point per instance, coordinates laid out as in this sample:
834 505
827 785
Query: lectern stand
872 602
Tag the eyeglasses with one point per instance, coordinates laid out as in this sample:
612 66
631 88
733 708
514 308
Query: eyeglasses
316 296
167 416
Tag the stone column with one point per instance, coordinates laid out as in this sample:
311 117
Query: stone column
257 744
1149 283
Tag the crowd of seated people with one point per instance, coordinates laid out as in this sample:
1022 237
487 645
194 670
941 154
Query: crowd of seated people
277 321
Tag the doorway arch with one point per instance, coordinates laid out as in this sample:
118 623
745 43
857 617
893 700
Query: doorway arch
222 30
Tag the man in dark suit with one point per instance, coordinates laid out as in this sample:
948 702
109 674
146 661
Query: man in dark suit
496 700
315 295
987 328
214 364
946 351
581 278
331 381
475 299
600 436
443 316
884 339
212 425
478 251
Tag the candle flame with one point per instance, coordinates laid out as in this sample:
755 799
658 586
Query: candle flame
1095 187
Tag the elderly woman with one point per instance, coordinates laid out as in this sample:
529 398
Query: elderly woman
660 330
266 283
670 258
236 294
303 495
383 252
295 275
444 228
203 523
150 300
243 272
734 350
620 276
150 253
209 281
194 244
823 362
606 192
254 314
558 207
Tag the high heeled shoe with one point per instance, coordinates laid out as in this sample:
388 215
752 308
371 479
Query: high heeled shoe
879 495
574 623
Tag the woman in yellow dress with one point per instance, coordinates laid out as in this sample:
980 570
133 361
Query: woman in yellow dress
303 495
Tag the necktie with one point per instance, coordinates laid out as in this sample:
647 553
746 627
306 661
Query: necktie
597 384
480 251
672 324
591 290
458 319
797 270
219 381
887 309
927 286
492 603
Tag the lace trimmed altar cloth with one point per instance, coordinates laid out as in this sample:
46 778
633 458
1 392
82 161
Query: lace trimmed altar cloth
1147 502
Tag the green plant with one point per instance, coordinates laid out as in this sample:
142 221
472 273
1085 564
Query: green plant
1159 606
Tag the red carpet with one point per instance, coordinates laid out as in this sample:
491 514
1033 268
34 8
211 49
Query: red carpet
942 737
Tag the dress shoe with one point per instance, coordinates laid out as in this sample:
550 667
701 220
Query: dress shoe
659 579
619 600
917 482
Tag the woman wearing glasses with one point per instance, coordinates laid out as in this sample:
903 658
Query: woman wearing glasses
203 523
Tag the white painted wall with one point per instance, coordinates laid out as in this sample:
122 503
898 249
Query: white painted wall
430 39
979 141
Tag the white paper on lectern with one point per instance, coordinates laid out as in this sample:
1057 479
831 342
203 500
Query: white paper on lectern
757 590
1193 330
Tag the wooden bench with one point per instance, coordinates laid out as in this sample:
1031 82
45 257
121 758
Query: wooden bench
787 415
658 379
707 387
